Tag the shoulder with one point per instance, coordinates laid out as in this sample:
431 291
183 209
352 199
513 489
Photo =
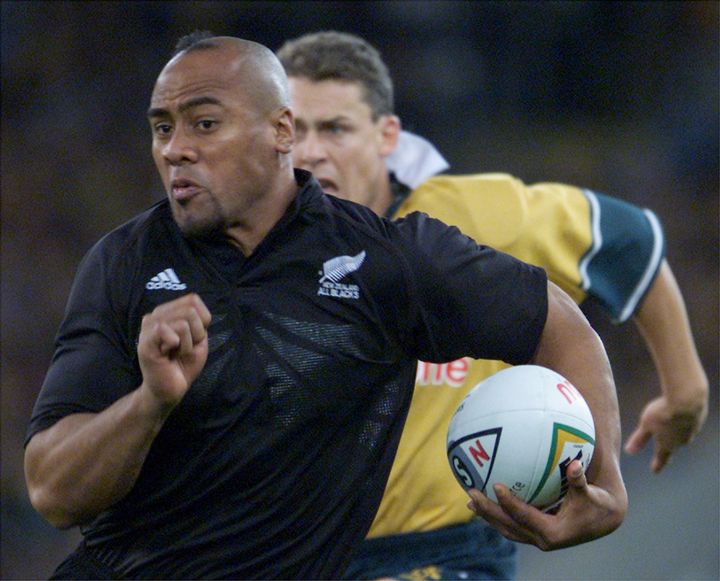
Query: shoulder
493 208
112 263
402 252
351 212
414 230
138 234
156 218
473 203
345 220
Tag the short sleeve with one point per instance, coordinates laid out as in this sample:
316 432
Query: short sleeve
471 299
625 255
93 364
590 244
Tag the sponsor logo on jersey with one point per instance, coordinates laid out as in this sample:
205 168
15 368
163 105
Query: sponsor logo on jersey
452 374
334 270
167 280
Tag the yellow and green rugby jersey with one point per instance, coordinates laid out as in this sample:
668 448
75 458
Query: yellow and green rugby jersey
589 244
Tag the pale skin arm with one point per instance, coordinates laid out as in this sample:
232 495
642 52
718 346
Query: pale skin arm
676 416
596 503
85 463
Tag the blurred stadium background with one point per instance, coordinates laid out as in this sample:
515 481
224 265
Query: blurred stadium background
621 97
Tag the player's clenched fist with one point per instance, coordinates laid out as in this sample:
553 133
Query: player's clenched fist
173 347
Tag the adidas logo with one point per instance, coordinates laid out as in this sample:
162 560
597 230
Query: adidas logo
167 279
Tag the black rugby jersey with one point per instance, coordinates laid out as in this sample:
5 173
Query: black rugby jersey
274 463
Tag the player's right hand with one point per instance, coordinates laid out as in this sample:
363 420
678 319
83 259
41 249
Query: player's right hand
173 347
587 512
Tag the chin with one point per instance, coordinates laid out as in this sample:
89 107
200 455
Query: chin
196 227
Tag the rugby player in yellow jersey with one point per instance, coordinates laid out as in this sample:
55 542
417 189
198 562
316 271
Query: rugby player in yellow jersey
589 244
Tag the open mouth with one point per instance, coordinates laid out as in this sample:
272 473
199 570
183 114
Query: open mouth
328 186
183 190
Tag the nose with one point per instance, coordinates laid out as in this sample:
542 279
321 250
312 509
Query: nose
310 150
179 148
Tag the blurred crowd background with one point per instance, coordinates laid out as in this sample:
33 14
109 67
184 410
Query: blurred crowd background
620 97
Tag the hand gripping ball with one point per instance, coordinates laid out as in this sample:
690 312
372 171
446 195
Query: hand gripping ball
521 427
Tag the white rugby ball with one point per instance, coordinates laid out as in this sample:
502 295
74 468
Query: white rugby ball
521 427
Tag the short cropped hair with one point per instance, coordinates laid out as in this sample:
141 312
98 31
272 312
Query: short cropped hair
340 56
196 40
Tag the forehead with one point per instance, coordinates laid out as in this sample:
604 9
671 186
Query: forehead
328 98
215 72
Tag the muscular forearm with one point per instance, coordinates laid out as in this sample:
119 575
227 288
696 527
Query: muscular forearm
87 462
593 506
572 348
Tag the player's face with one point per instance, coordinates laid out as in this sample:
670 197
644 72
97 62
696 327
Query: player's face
340 143
213 148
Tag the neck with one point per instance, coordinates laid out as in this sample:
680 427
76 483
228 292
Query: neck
261 216
384 196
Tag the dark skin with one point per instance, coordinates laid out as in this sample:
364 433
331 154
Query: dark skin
205 108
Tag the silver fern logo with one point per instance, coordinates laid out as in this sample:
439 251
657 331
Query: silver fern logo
334 270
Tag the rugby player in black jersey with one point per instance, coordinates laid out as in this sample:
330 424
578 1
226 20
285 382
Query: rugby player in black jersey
214 410
595 247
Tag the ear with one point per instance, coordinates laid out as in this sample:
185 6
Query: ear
284 127
389 133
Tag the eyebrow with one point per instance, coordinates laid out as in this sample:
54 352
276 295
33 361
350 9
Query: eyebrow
337 119
189 104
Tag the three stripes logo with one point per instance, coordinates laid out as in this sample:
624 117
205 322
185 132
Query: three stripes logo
167 279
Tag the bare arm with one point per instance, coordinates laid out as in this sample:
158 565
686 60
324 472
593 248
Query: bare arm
675 417
572 348
87 462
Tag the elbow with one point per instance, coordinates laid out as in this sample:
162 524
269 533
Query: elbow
46 496
51 508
